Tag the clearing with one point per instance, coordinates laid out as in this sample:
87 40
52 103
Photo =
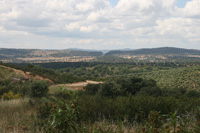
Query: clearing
72 87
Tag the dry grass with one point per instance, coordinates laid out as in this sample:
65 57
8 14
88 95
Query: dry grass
16 118
71 87
15 115
110 127
5 73
57 59
8 72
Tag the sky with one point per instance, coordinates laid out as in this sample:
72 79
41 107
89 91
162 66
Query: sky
99 24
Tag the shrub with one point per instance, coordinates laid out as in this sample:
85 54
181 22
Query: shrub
155 121
150 91
92 89
193 93
10 95
132 108
61 117
110 89
122 87
39 88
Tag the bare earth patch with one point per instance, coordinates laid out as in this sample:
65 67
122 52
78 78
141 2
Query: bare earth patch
73 86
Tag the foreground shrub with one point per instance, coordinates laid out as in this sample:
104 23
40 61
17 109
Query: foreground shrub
61 117
132 108
155 119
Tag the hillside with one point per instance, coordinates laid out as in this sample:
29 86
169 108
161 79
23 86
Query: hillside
154 51
166 54
183 77
158 54
15 74
36 55
5 73
110 59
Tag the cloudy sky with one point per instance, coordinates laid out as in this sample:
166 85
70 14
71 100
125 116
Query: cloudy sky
99 24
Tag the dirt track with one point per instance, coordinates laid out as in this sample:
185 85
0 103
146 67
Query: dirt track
76 86
84 83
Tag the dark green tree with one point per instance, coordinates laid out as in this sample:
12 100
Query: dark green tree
39 88
92 89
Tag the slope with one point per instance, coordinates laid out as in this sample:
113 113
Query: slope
11 73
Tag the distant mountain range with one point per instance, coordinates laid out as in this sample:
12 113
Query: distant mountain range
158 54
85 55
103 51
37 55
154 51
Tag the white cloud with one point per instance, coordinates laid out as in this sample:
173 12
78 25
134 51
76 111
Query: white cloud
72 26
192 9
89 28
185 27
131 23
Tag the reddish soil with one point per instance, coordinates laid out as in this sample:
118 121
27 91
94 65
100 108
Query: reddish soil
28 75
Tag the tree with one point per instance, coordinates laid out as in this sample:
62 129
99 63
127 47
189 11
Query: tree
193 93
39 88
92 89
110 89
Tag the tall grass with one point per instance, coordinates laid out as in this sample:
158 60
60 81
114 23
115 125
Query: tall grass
15 115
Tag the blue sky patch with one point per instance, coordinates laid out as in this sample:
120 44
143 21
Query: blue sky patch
180 3
114 2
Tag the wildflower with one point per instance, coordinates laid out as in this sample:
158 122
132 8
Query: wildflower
72 105
143 129
64 107
178 128
54 106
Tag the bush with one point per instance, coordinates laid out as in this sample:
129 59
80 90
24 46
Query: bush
61 117
132 108
10 95
151 91
122 87
193 93
91 89
110 89
39 88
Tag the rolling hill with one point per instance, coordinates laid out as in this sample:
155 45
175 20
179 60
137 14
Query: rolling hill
15 74
78 55
158 54
36 55
154 51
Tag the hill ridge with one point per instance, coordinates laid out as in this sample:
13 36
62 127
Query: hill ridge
159 50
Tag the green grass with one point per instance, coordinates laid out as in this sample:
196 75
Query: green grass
53 89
